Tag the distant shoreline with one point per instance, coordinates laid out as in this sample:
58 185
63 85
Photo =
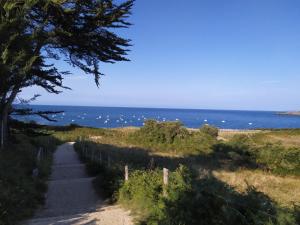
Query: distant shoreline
292 113
157 108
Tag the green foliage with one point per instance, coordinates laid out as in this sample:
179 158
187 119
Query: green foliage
74 132
162 132
143 191
171 137
33 32
241 142
20 192
108 179
210 130
279 159
193 202
273 157
190 200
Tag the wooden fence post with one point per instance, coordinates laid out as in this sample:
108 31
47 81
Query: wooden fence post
2 134
93 155
39 154
100 157
151 164
108 161
126 173
165 181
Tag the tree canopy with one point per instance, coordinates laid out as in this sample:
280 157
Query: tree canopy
34 33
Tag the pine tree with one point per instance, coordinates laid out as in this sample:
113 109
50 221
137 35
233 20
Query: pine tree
34 32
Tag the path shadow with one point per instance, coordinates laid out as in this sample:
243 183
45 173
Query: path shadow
222 157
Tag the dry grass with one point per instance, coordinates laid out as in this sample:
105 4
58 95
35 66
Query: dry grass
283 190
227 134
288 139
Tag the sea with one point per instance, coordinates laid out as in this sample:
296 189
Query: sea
112 117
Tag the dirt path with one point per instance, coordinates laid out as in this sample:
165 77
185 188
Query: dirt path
71 198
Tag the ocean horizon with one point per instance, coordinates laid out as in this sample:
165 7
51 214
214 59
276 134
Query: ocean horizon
113 117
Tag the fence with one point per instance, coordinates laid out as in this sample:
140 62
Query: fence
41 154
104 159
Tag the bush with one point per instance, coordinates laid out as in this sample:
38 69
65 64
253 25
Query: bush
210 130
144 193
162 132
279 159
20 192
241 143
273 157
193 202
171 137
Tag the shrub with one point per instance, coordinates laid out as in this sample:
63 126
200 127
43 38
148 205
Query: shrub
279 159
241 143
271 156
193 202
144 193
20 192
171 137
210 130
161 132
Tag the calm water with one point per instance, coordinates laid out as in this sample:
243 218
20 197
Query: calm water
194 118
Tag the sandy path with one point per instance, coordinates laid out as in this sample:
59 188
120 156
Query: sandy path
71 198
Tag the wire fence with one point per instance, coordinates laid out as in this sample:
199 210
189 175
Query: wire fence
117 159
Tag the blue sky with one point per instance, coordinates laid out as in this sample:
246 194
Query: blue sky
213 54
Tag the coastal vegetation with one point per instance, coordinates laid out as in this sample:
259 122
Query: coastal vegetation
212 175
165 173
201 185
25 165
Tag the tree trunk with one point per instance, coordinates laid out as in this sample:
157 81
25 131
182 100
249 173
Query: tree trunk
4 126
4 116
